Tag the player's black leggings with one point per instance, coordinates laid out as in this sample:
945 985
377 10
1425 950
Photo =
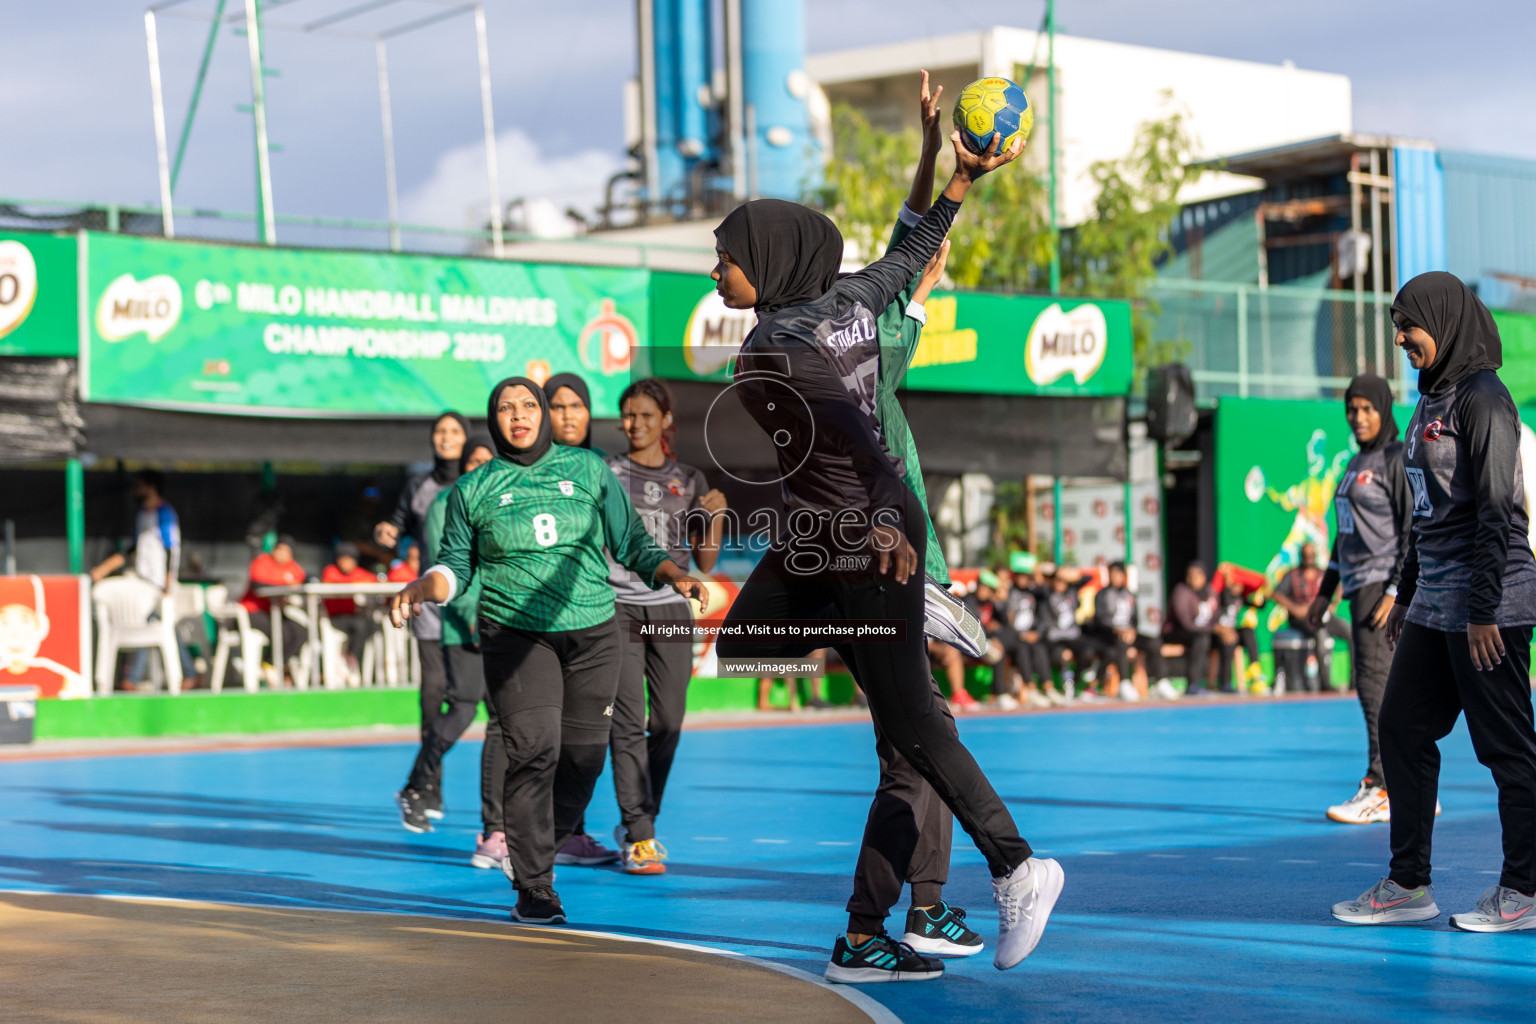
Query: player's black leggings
895 677
648 715
465 691
553 694
1431 683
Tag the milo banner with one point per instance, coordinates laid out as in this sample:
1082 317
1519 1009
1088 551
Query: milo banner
973 342
221 328
38 295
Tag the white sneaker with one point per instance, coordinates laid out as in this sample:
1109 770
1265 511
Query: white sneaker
1007 702
1057 698
1128 692
1024 901
1039 700
1368 805
1088 697
1166 690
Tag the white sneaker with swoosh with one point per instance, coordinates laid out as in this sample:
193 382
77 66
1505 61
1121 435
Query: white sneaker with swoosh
1499 909
1024 901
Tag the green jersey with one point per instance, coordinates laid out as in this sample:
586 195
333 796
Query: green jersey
533 537
899 335
458 615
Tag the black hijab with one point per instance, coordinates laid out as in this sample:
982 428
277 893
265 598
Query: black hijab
1379 393
478 441
790 253
1466 338
576 384
533 453
446 471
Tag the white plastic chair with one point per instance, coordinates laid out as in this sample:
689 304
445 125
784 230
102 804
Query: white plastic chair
124 606
234 631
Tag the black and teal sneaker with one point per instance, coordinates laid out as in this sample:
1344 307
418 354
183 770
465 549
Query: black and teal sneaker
878 959
941 931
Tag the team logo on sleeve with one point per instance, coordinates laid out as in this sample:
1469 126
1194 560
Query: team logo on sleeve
675 487
567 488
1365 477
1434 430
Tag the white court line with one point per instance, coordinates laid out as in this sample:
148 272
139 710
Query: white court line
1231 858
1167 856
877 1012
1361 864
826 842
776 842
1298 862
1490 872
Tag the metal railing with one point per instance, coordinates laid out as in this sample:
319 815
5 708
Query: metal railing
1276 342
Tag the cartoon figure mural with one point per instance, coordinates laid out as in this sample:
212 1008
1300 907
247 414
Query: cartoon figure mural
1310 499
23 629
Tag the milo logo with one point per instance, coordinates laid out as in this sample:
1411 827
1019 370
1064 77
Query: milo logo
18 285
1066 343
129 306
715 333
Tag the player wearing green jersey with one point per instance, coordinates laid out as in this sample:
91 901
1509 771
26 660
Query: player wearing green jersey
530 527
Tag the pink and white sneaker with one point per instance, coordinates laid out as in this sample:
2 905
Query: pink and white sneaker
489 851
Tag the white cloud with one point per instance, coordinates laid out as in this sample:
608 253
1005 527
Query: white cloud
456 192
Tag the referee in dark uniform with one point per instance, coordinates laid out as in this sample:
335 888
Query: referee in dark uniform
1462 622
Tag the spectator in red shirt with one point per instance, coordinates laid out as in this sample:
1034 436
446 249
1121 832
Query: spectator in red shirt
274 568
408 566
350 614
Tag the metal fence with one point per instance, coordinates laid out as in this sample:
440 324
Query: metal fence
1276 342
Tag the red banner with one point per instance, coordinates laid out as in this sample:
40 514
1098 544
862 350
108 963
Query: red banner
45 628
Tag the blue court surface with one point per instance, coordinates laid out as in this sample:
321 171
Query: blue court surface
1199 866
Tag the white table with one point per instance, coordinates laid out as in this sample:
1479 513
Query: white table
313 593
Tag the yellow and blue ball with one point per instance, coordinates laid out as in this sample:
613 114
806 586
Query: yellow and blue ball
993 105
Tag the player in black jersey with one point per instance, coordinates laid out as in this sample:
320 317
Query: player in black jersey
1467 602
807 374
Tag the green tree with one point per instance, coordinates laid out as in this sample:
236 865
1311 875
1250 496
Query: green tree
1116 251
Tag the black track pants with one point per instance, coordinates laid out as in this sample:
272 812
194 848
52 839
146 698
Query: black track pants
894 676
553 698
907 838
648 715
434 683
1431 682
465 691
1370 660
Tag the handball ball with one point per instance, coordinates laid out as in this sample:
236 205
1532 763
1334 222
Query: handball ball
993 105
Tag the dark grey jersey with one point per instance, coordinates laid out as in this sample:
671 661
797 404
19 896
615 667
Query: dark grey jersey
1061 615
1023 604
1373 506
1114 608
663 495
1471 555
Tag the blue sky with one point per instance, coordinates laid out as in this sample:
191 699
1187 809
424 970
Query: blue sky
75 113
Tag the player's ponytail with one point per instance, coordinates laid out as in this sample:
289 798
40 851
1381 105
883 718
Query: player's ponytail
657 391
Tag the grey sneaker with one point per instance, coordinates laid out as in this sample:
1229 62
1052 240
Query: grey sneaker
1386 902
947 619
1500 909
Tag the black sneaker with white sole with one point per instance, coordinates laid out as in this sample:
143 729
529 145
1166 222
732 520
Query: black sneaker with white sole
941 931
946 618
538 905
880 958
413 810
433 796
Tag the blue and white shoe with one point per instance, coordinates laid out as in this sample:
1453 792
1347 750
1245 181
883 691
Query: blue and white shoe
941 931
947 619
880 958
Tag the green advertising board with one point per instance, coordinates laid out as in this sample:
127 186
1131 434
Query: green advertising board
38 295
1277 464
221 328
973 342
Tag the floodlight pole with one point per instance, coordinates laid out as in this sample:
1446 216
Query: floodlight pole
167 220
493 176
264 212
1050 86
389 147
